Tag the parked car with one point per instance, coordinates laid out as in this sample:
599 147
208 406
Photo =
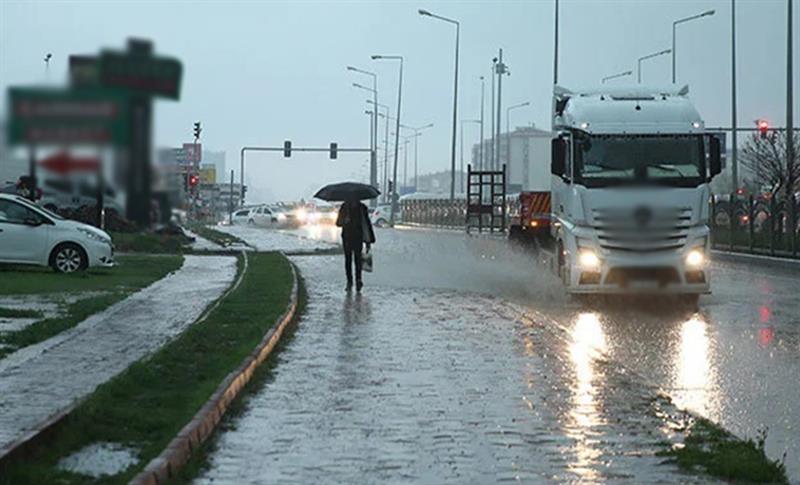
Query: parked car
30 234
381 215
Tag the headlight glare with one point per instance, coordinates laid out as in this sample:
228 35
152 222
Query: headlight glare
695 258
588 259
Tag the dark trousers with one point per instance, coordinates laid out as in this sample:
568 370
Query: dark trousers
352 251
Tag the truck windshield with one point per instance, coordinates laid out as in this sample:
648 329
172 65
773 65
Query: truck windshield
603 160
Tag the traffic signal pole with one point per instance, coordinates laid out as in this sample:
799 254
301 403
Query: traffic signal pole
333 148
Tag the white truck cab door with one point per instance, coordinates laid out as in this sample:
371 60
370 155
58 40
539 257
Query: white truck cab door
24 234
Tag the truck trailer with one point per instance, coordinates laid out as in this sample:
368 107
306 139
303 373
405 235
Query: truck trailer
630 173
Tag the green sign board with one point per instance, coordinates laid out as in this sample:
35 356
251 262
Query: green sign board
152 76
72 116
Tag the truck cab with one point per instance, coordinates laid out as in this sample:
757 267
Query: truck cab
630 169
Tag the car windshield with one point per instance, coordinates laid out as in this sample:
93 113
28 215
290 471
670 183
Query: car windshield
602 160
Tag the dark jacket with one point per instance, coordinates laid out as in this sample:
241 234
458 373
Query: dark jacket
355 223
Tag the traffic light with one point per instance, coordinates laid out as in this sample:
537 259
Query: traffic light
287 149
197 130
193 180
763 127
334 150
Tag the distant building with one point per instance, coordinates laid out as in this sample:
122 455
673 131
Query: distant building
217 159
530 152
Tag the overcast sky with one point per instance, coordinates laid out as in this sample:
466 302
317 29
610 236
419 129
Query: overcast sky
259 72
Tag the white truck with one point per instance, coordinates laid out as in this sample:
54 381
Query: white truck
630 196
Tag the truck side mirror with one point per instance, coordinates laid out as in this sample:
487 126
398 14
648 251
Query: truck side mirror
558 162
714 156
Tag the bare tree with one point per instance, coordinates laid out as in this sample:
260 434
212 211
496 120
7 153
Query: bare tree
765 158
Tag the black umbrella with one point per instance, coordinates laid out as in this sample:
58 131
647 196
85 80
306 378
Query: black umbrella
347 191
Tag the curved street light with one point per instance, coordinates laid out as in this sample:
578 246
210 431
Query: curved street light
397 131
649 56
426 13
615 76
707 13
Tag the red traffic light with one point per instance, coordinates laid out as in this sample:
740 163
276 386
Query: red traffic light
763 127
193 180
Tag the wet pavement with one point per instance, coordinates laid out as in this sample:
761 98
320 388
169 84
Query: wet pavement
41 380
463 362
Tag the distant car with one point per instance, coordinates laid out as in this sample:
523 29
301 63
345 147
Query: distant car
30 234
380 216
286 217
242 216
326 215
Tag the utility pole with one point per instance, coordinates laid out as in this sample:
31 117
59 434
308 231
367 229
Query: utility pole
47 66
555 48
501 69
492 160
734 145
480 146
230 202
790 161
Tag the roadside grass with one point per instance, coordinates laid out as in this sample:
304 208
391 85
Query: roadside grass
711 449
132 274
147 405
199 461
19 313
139 242
222 238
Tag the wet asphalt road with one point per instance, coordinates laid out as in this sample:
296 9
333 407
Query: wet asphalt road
463 362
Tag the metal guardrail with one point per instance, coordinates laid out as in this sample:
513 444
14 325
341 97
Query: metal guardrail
757 225
434 212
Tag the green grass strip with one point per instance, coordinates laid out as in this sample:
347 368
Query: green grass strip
148 404
150 243
133 273
19 313
711 449
219 237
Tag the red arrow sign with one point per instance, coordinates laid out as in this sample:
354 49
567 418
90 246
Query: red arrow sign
63 163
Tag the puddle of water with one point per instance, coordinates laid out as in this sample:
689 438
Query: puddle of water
100 459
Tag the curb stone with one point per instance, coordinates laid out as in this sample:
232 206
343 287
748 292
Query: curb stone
191 437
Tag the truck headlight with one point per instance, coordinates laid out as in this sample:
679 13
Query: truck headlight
588 259
695 258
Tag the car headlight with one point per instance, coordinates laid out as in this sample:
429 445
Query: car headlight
301 215
695 258
588 259
281 217
93 235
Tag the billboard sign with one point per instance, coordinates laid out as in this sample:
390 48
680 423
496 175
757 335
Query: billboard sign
47 115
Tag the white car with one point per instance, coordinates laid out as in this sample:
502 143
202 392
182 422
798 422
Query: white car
381 215
242 216
30 234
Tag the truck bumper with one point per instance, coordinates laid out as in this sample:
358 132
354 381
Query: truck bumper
650 274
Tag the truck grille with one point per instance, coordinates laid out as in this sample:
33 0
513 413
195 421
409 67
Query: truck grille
642 229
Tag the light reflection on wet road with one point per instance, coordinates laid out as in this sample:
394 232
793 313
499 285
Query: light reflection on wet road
403 383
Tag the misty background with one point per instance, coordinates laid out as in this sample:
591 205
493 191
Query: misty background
258 73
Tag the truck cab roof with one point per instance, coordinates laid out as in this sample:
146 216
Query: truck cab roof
627 109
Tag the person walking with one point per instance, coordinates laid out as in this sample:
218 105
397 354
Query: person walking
357 230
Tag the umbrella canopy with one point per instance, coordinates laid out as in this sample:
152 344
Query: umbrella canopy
347 191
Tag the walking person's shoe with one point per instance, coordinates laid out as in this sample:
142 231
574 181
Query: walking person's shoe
359 285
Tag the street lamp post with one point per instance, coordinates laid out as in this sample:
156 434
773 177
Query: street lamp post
508 131
461 169
675 24
386 118
649 56
615 76
417 134
734 121
480 160
500 69
396 131
373 166
491 116
425 13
